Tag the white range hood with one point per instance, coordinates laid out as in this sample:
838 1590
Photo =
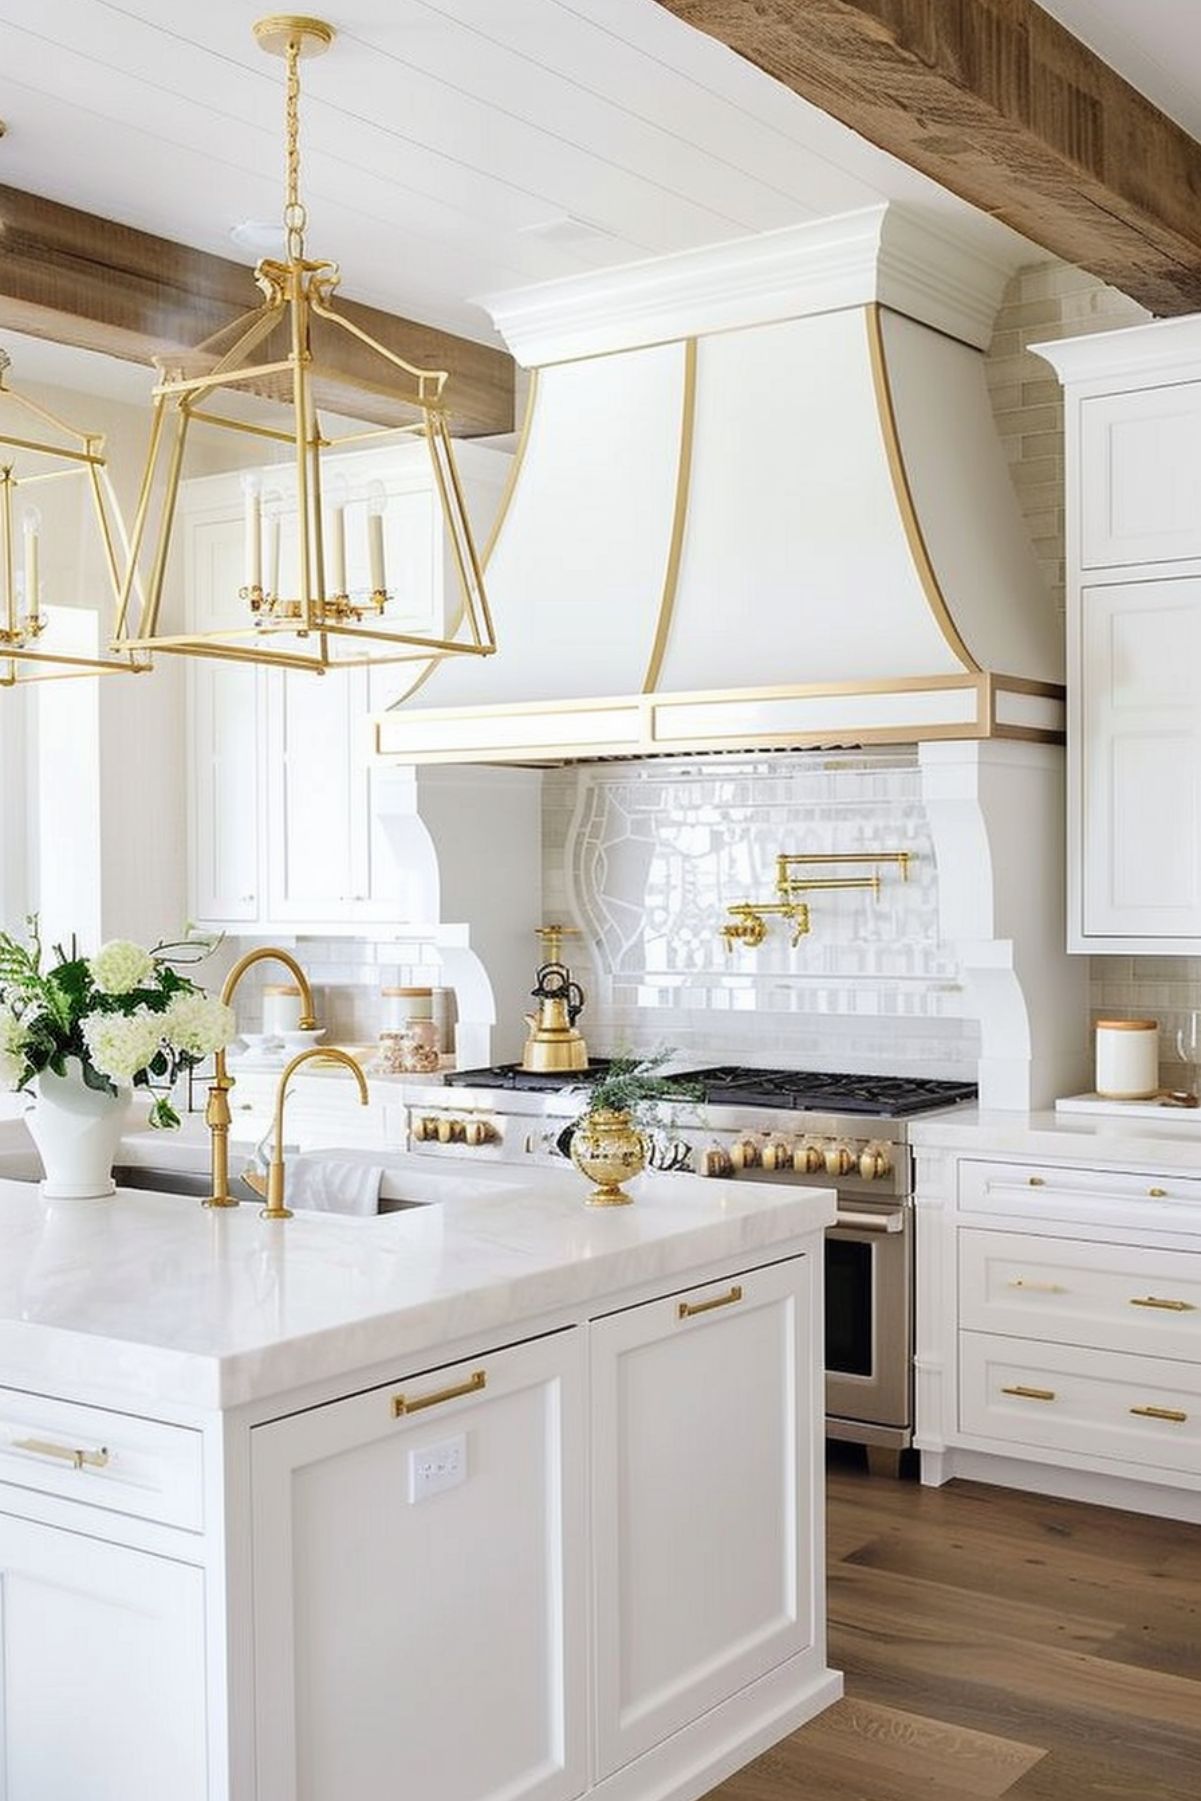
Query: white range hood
759 502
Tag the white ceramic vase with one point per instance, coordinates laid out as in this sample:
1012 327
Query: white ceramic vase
77 1130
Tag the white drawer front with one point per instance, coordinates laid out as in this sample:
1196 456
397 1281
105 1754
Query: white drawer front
1151 1202
1140 1410
1115 1296
141 1467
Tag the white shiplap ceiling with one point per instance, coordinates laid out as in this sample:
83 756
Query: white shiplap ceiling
1155 44
452 147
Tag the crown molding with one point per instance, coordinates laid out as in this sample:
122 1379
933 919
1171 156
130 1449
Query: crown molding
879 253
1162 347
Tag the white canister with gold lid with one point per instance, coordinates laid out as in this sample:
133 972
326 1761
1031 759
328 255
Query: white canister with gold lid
1127 1059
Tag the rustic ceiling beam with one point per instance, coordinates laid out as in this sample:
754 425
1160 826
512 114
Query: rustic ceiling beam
998 103
88 282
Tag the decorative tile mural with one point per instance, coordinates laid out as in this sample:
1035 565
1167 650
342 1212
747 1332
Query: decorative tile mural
646 857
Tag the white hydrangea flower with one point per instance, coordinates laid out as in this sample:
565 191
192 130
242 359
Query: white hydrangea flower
119 967
198 1023
121 1044
12 1049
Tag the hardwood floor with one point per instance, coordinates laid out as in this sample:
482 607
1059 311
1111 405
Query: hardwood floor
998 1644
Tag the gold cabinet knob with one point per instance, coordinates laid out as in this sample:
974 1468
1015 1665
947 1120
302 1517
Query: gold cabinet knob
839 1160
776 1154
874 1163
808 1158
744 1153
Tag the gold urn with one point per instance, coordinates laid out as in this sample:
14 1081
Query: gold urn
608 1148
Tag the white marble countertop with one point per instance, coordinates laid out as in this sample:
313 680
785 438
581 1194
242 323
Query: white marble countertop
146 1298
1172 1141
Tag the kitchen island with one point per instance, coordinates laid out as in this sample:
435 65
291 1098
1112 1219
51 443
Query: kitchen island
495 1495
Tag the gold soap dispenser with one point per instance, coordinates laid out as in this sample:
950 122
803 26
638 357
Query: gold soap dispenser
553 1044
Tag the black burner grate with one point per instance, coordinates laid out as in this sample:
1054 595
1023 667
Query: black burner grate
732 1085
511 1076
819 1091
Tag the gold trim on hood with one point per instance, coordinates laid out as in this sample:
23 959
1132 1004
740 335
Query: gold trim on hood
918 549
671 578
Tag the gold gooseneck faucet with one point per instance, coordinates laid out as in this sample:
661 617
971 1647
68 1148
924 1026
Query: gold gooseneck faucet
217 1116
275 1208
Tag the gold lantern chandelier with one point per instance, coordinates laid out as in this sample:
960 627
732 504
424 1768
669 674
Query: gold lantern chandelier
283 349
37 450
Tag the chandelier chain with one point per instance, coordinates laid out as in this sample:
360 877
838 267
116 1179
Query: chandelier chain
295 215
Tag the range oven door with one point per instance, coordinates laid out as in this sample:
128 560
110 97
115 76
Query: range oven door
869 1323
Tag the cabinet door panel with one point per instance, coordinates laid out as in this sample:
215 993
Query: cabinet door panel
225 739
701 1501
318 797
433 1646
103 1670
1141 487
1140 719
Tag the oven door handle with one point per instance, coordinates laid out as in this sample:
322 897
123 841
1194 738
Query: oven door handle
869 1222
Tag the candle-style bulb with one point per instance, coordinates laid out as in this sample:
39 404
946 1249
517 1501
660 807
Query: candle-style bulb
338 494
31 527
377 501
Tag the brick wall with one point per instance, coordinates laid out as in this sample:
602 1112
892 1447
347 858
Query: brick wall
1046 300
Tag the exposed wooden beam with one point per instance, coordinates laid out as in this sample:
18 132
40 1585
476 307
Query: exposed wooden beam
996 101
85 281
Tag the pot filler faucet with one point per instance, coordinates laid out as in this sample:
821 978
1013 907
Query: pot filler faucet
217 1116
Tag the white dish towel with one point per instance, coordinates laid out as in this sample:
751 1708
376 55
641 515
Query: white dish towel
323 1186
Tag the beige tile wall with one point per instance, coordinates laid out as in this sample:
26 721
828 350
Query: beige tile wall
1054 300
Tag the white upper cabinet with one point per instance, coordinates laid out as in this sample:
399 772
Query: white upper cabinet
1133 450
225 733
290 826
1140 476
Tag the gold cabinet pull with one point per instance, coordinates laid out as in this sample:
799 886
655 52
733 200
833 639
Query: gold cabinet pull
403 1403
1161 1413
1152 1300
688 1309
1157 1194
42 1447
1038 1287
1030 1394
1037 1181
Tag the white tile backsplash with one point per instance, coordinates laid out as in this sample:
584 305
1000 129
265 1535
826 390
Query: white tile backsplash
646 857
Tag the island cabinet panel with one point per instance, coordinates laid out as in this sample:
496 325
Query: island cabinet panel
103 1670
430 1645
703 1510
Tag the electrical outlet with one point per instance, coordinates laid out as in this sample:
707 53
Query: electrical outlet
435 1468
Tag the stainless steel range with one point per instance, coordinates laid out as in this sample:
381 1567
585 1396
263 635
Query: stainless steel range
769 1125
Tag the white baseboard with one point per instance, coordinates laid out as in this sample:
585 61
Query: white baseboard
1127 1493
692 1762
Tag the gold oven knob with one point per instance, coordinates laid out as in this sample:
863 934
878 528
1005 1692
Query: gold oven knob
478 1131
715 1161
874 1163
839 1160
808 1158
425 1129
744 1153
776 1154
450 1131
